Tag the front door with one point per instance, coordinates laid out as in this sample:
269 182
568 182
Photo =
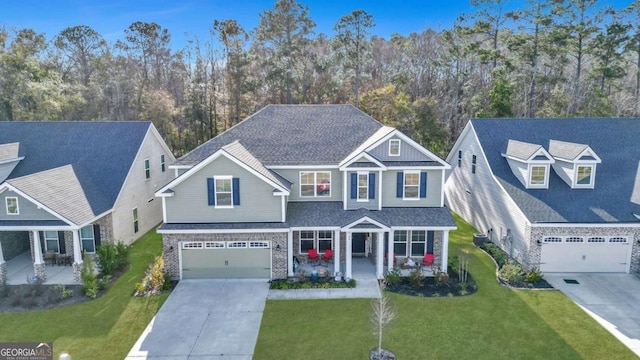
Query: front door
357 244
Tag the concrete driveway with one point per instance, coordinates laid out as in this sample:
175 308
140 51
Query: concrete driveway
612 299
205 319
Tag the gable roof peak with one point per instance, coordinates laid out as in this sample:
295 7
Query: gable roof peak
566 150
522 150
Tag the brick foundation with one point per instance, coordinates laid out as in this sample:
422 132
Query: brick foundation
3 273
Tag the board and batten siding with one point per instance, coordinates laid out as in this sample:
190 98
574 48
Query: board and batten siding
138 192
293 175
257 202
26 209
353 203
482 202
407 152
434 189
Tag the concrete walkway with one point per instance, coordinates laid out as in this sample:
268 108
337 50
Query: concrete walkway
613 300
205 319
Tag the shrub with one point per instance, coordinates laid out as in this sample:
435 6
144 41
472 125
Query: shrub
416 277
112 257
393 276
440 277
63 292
512 273
533 276
497 254
154 278
89 278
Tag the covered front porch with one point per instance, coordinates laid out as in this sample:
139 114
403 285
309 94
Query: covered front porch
20 270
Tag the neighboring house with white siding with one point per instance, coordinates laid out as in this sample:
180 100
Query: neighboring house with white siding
291 179
562 195
66 187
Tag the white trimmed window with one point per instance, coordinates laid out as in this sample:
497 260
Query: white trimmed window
363 186
474 160
552 239
574 239
51 241
162 163
12 205
325 241
135 220
394 147
538 175
418 242
224 191
307 241
315 184
147 168
583 175
411 185
618 239
400 243
596 239
88 239
459 158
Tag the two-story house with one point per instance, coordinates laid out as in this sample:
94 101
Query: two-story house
66 187
291 178
559 194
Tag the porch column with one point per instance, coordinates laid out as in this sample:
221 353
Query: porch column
39 268
336 252
290 253
77 256
348 256
390 251
445 250
1 255
380 256
3 268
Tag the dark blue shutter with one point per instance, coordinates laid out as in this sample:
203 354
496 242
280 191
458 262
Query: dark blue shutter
211 191
63 246
354 185
236 191
96 235
400 184
423 184
430 235
372 186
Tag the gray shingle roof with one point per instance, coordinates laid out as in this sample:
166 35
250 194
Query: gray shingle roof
9 151
100 152
521 150
565 150
238 151
615 140
294 135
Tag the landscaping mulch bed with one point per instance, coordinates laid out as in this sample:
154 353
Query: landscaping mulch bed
433 288
28 297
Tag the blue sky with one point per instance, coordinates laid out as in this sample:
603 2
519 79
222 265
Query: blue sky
195 17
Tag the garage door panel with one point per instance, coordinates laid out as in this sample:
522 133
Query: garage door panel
226 263
584 257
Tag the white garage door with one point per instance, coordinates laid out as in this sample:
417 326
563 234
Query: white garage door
226 259
585 254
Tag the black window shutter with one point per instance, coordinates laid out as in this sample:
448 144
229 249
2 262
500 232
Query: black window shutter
372 186
236 191
63 246
354 185
430 236
41 240
96 235
211 192
399 184
423 184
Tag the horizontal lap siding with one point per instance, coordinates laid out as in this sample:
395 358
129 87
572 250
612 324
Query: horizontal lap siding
257 202
27 209
434 190
407 153
293 175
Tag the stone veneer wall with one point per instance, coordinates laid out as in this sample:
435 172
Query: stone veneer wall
538 233
171 246
14 243
3 273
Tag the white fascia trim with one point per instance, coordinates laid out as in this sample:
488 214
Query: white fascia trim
414 144
164 194
11 160
360 156
428 228
254 172
37 203
348 227
95 218
275 167
180 167
164 145
223 231
309 228
456 145
585 225
40 228
407 167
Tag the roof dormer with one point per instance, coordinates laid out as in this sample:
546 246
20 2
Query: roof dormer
529 163
9 158
575 163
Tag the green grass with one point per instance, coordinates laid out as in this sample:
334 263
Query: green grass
494 323
105 328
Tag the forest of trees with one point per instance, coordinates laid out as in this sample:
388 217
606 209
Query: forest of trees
549 58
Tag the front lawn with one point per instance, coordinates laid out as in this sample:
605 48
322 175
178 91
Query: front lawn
104 328
494 323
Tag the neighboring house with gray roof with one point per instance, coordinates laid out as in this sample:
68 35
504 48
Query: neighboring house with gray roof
291 178
67 187
559 194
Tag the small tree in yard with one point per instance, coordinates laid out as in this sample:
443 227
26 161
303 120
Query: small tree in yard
381 316
155 280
